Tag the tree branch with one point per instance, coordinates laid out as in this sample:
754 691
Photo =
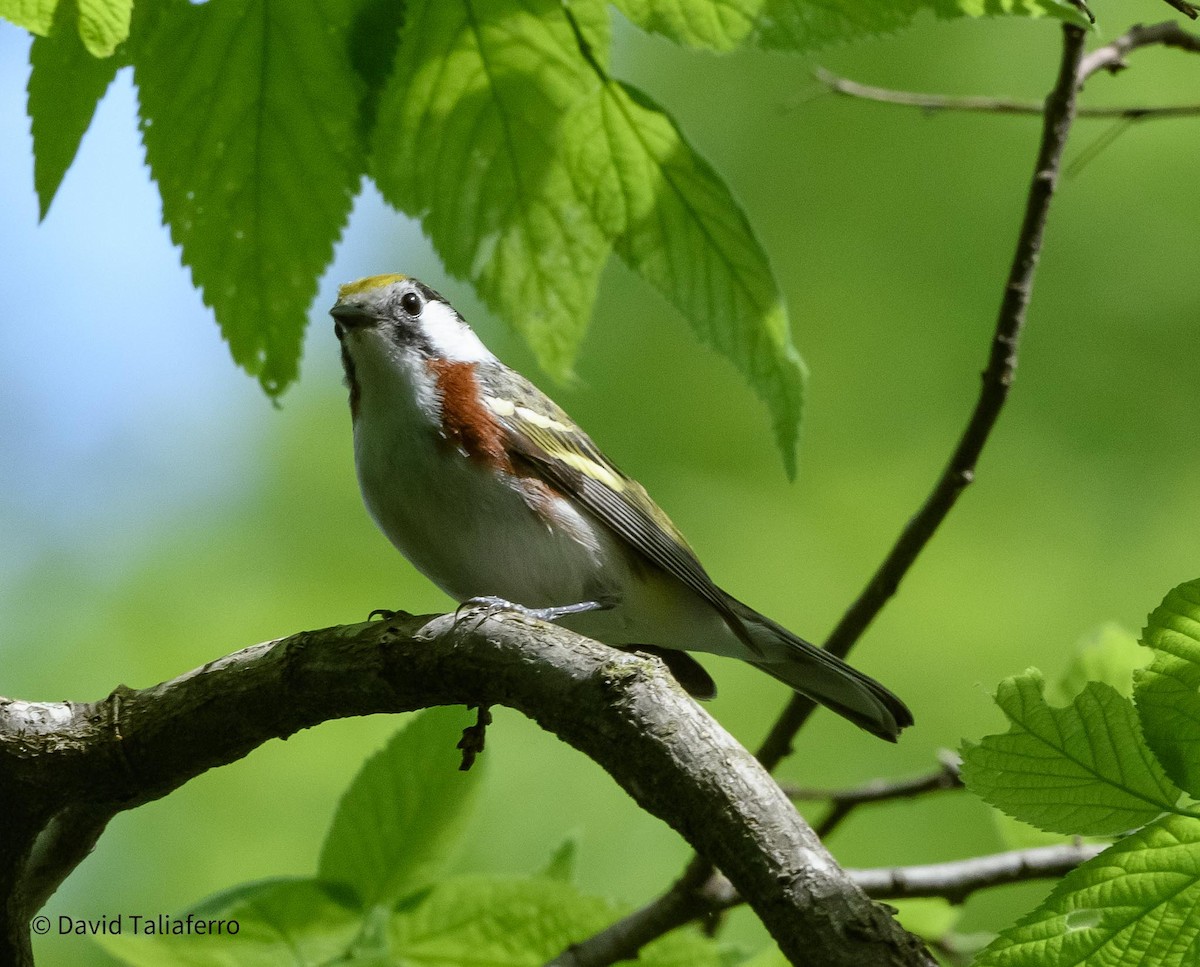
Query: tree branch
844 801
700 893
996 380
957 880
989 105
690 896
67 768
1110 57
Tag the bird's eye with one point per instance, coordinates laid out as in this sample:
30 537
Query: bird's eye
410 302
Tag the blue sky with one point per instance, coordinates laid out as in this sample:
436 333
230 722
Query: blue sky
113 375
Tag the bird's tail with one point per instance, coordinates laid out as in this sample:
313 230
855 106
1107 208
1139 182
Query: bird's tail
823 677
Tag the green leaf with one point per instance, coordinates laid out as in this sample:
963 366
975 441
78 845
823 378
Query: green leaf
1079 769
1059 9
1109 654
676 224
65 85
280 923
1168 692
405 811
520 923
254 140
723 25
468 140
1134 904
103 24
36 16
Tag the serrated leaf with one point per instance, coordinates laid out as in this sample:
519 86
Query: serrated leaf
280 923
65 85
724 25
468 141
103 24
254 140
520 923
1168 692
1137 903
404 812
36 16
675 223
1079 769
1059 9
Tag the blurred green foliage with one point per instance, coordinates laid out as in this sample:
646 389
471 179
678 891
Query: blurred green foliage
891 233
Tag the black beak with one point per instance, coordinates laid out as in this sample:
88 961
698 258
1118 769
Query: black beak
350 316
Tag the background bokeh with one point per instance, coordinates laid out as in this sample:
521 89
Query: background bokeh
156 511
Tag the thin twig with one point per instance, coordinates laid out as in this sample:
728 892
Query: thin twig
695 895
997 379
844 801
957 880
988 105
684 901
881 790
1111 57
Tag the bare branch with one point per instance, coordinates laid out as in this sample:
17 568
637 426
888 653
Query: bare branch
957 880
66 768
685 900
845 801
989 105
1111 57
881 790
997 379
697 893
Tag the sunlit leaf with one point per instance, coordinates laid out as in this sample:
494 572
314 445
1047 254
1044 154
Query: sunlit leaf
36 16
676 224
1134 904
250 117
1168 692
806 24
468 140
103 24
1079 769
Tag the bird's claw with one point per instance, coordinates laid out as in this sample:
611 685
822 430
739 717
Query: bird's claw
493 605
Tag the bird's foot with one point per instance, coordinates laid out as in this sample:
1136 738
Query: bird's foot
493 605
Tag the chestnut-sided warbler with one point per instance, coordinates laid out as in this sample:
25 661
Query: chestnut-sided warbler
492 492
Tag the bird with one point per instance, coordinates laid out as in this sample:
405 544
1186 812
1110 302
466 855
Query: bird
494 494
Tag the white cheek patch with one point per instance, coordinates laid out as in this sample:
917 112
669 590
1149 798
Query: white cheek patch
452 338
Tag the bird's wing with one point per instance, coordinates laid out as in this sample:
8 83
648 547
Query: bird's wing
542 437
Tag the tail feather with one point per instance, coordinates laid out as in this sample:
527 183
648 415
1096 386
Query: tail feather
825 678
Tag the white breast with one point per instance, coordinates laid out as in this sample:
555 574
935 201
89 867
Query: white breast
459 523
